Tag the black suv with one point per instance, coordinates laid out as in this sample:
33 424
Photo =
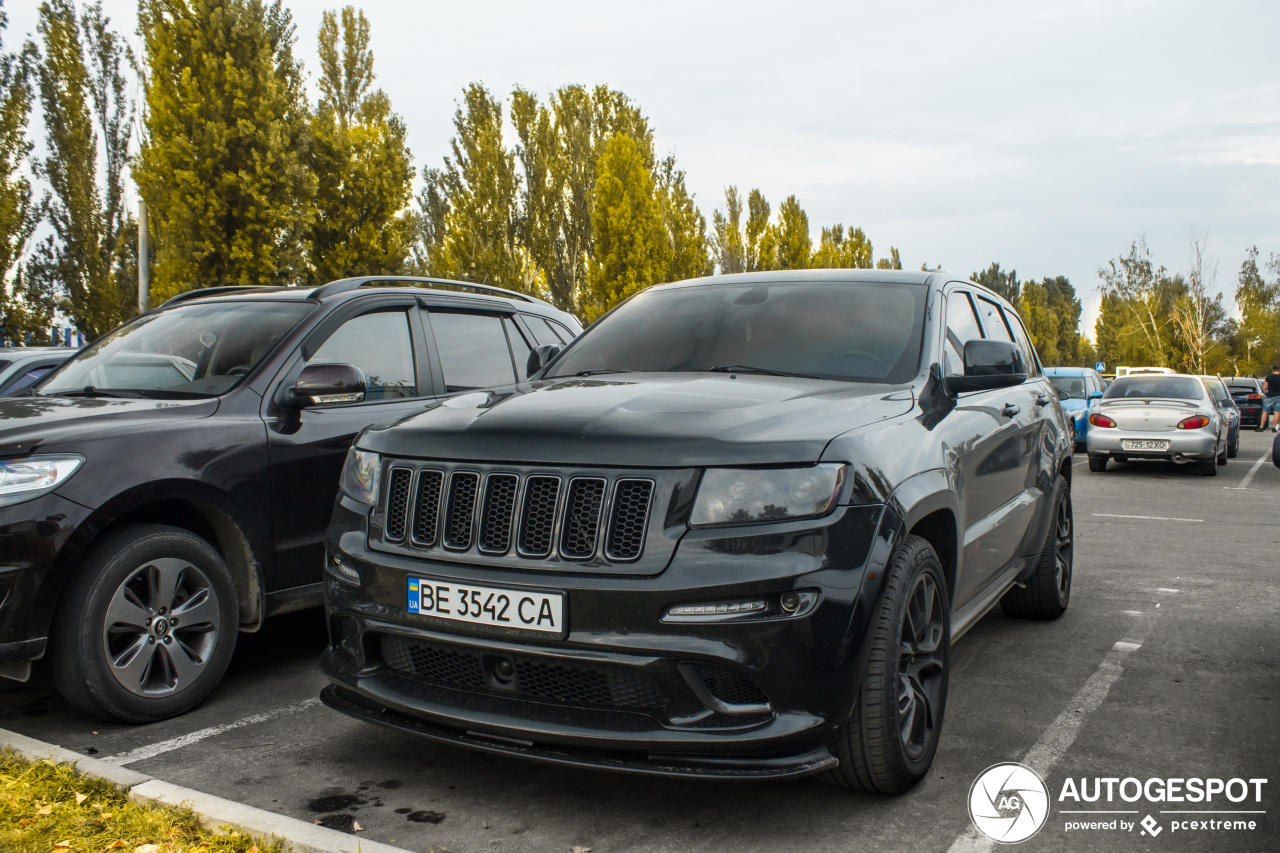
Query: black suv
171 484
731 530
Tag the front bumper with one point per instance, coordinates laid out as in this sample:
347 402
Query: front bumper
33 550
625 690
1190 443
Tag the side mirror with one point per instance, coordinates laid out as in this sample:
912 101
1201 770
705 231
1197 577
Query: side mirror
1095 395
540 358
989 365
324 384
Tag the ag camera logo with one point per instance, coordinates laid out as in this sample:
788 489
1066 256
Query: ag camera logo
1009 803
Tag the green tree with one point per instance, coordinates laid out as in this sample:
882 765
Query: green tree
86 113
838 249
688 250
1146 297
893 262
1003 282
786 244
362 163
730 247
26 303
1258 335
224 165
631 250
479 185
758 256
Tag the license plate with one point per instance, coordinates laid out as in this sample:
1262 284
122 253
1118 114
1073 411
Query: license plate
1144 444
495 607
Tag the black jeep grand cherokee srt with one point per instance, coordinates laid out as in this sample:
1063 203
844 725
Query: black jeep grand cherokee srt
171 484
731 530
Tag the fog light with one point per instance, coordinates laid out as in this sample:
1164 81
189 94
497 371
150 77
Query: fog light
342 571
790 602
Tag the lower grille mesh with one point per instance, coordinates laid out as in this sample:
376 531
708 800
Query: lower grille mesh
728 686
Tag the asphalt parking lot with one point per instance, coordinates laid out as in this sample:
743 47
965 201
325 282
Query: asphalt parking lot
1178 569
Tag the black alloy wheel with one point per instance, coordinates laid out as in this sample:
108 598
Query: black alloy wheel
921 667
1046 593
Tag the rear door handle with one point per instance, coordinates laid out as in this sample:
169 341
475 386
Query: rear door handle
1042 400
1010 410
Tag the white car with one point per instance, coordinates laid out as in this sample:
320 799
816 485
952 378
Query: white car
1157 416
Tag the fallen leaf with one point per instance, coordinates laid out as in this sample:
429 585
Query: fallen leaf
47 810
147 848
253 849
62 844
577 849
114 845
356 827
318 822
107 815
80 798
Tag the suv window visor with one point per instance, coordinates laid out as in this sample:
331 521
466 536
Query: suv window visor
195 350
852 331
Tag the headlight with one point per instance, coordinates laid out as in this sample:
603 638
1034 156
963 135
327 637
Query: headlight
23 479
361 474
741 495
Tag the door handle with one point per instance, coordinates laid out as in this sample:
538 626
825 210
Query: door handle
1042 400
1010 410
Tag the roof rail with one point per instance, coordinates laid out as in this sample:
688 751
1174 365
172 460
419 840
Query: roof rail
214 291
348 284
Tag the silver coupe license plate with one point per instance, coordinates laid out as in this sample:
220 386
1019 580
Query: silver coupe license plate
495 607
1144 444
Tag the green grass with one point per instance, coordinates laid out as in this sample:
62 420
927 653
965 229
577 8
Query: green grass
46 807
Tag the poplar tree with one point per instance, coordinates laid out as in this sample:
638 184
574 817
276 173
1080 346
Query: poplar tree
26 306
224 165
841 249
893 262
361 161
87 114
631 251
730 247
687 250
1003 282
786 244
1259 301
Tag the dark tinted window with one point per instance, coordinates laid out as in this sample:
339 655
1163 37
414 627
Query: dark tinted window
542 331
564 334
992 322
381 345
26 379
473 350
1239 390
520 348
962 327
858 331
1023 341
4 363
1156 386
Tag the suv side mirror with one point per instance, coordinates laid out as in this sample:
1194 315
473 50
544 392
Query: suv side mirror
323 384
989 365
540 358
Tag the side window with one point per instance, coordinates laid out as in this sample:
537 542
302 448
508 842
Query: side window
566 336
1220 395
1024 343
962 326
992 322
543 334
520 348
381 345
473 350
26 379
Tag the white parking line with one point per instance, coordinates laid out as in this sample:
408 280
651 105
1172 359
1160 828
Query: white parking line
1248 478
1145 517
1062 732
151 751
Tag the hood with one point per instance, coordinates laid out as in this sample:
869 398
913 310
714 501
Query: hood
29 422
659 420
1074 404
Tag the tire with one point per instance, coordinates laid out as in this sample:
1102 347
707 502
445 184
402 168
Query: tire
1275 451
1233 450
1224 455
1048 591
1097 464
1209 467
115 650
874 753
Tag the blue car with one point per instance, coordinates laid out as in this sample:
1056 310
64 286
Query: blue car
1078 388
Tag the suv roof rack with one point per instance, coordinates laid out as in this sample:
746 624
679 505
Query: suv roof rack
213 291
348 284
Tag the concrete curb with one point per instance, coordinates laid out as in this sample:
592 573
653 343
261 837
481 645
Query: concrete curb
212 812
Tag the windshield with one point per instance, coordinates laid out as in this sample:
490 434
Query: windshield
1068 387
854 331
1156 386
189 351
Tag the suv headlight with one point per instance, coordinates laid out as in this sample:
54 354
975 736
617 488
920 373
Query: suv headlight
31 476
744 495
361 474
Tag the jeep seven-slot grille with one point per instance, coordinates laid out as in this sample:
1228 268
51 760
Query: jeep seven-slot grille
533 515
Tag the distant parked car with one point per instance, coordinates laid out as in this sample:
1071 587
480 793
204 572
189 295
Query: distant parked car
1227 407
21 367
1077 388
1157 416
1247 394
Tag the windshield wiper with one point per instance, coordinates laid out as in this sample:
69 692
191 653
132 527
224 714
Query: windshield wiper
598 370
747 368
90 391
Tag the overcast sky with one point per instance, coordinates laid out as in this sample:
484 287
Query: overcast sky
1044 135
